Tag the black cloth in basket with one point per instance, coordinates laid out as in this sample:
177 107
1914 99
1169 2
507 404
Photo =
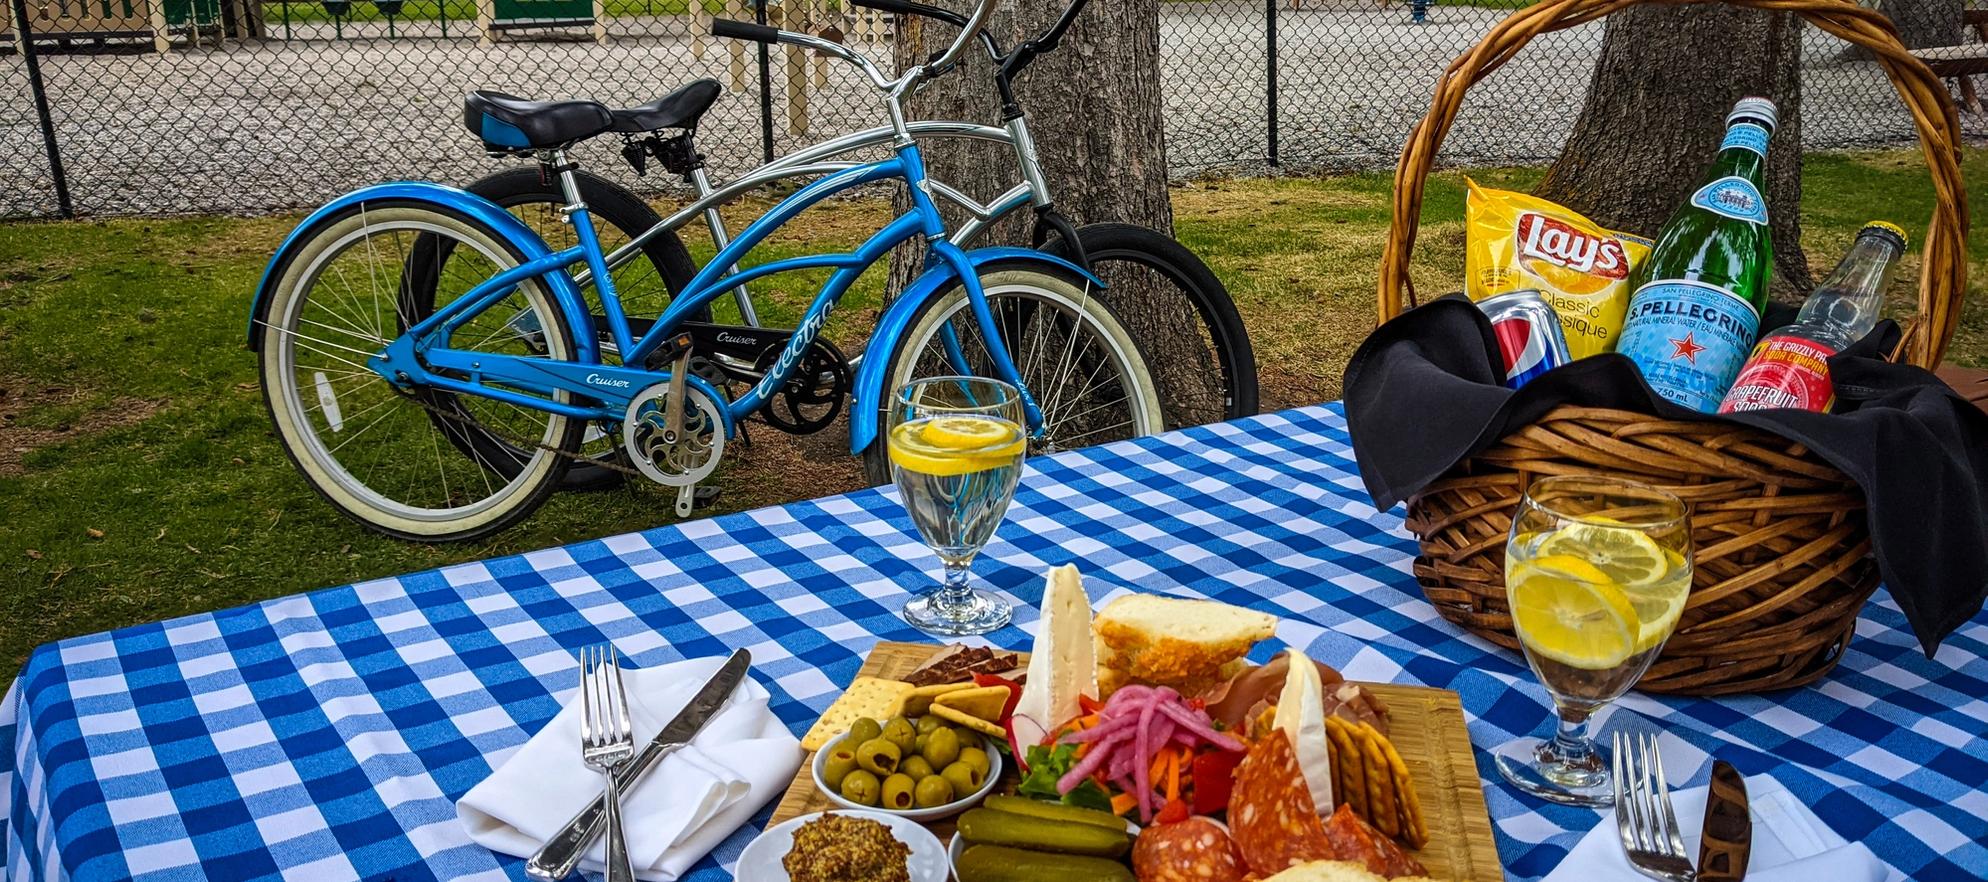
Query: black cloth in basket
1426 391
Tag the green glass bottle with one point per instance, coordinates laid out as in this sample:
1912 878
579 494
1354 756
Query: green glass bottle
1699 295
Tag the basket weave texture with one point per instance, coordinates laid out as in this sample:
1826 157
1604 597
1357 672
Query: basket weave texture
1780 537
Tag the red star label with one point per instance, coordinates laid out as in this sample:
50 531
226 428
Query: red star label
1686 348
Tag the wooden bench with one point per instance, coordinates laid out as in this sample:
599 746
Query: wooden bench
1963 61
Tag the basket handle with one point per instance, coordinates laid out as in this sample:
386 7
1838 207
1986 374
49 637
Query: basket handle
1943 278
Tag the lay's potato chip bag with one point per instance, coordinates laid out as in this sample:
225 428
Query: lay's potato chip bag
1518 241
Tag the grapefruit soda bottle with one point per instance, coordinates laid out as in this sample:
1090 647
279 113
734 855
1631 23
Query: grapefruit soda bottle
1790 367
1699 295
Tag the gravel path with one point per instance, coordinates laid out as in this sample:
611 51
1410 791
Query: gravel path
276 123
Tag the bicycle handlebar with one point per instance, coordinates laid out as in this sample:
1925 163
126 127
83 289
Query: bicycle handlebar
745 30
907 7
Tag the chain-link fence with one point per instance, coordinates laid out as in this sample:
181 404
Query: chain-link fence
175 106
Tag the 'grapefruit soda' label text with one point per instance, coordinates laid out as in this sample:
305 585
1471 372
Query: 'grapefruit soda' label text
1785 371
1689 339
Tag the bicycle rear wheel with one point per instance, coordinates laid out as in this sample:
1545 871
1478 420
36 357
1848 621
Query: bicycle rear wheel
378 453
644 286
1133 258
1082 367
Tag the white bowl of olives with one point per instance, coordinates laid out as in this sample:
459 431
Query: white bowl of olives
923 769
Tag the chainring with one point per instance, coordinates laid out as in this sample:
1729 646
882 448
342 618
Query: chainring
693 456
813 395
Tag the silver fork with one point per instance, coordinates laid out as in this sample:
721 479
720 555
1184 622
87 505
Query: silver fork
1643 814
606 741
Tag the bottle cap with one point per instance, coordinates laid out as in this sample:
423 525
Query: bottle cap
1754 108
1885 230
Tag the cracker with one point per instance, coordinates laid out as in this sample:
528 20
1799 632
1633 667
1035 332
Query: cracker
984 702
958 717
871 697
1414 827
1347 762
1380 782
919 700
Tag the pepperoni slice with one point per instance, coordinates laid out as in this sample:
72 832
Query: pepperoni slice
1270 809
1194 850
1353 839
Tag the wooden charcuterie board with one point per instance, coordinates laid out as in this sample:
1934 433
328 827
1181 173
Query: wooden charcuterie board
1426 726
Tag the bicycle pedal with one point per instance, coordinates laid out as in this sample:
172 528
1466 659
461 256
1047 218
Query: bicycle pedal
691 498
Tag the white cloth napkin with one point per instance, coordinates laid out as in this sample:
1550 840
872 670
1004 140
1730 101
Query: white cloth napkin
1790 844
687 805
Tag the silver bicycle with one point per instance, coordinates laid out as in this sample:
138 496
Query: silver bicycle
650 263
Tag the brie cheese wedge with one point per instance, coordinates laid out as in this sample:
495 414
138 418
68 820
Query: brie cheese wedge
1062 665
1301 717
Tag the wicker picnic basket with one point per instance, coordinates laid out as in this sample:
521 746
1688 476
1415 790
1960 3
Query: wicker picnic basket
1782 547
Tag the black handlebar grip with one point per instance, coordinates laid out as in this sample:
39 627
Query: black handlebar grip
744 30
906 7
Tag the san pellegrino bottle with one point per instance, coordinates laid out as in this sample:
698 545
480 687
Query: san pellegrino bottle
1790 367
1699 295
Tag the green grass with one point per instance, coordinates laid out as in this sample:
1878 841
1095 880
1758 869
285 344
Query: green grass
148 484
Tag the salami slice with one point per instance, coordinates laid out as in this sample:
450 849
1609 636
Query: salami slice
1353 839
1270 809
1194 850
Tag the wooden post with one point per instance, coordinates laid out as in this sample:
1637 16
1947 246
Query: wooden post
794 17
486 18
162 41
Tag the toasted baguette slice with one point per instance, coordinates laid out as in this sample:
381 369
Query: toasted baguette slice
1165 640
1326 871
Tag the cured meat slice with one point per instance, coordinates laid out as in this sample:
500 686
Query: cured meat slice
1270 809
1194 850
1353 839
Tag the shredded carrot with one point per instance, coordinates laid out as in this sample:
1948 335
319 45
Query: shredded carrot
1175 759
1084 748
1123 803
1158 770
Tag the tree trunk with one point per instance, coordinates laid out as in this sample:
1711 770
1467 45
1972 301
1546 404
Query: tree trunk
1094 108
1923 23
1656 111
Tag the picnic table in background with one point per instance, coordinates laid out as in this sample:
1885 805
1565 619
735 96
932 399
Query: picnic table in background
326 736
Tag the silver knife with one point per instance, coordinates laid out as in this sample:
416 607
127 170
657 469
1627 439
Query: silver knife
1727 839
563 851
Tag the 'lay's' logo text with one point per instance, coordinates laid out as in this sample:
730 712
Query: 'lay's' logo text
1547 239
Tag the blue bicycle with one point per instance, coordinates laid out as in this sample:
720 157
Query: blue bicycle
432 367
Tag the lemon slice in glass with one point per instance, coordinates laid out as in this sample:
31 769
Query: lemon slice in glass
1625 555
1567 610
966 432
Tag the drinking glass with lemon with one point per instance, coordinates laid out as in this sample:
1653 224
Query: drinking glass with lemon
956 446
1597 571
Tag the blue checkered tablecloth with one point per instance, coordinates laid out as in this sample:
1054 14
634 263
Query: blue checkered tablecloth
326 736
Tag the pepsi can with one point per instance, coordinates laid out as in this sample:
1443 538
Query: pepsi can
1528 332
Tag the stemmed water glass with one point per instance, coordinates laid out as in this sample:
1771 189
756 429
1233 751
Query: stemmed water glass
956 446
1597 571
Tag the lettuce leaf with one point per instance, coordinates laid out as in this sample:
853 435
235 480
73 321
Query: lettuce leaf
1047 765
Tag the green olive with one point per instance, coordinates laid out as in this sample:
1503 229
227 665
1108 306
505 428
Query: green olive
841 761
919 768
934 792
927 723
975 757
864 729
941 748
899 732
964 778
918 745
970 740
877 756
897 792
861 788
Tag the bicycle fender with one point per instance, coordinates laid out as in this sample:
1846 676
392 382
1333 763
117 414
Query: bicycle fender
867 394
484 211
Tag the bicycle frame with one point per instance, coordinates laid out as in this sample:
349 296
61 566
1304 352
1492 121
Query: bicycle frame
414 358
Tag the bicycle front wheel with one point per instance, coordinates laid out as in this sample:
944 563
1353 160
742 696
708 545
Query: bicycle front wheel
416 463
1085 372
